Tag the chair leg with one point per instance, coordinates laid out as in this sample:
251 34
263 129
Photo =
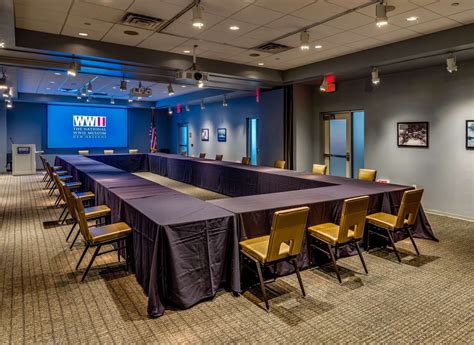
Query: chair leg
393 246
334 263
297 270
58 200
361 257
413 241
262 284
75 239
82 256
91 262
65 216
70 231
62 214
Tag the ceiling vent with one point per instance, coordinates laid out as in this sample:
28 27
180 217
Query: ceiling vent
141 21
272 48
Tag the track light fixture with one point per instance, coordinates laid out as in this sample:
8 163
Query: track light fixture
451 65
112 101
9 104
197 16
324 85
89 87
200 84
170 90
381 10
375 76
304 40
88 99
224 101
83 91
6 93
187 107
73 69
202 105
79 95
130 99
123 85
170 111
3 81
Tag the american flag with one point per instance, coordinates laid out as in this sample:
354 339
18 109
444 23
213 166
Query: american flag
152 132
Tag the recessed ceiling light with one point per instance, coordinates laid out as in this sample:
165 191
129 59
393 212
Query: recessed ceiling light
455 4
318 46
48 88
254 55
412 19
130 33
183 85
83 34
261 64
87 23
234 28
2 44
52 82
186 51
114 87
57 73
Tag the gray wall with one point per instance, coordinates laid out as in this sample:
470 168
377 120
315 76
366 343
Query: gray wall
234 117
303 103
446 169
3 136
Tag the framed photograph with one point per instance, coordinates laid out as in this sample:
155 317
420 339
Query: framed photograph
205 134
412 134
222 134
470 134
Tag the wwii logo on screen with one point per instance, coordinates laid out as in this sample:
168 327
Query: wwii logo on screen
89 127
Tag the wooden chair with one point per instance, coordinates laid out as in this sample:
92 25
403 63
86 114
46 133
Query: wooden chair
46 176
279 164
49 169
83 152
246 160
108 152
403 221
349 231
61 184
63 175
202 155
219 157
99 236
283 244
320 169
367 174
133 151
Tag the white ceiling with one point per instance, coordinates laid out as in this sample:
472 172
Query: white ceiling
52 83
259 21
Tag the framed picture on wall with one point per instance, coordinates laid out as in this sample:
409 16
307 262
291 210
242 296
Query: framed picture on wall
412 134
221 134
205 134
470 134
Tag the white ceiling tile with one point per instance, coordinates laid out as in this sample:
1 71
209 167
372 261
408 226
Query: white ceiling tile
91 34
220 36
223 8
284 6
322 31
58 5
422 14
466 17
435 25
256 15
264 34
399 35
246 56
446 8
209 20
107 14
88 24
422 2
288 23
213 55
37 25
155 8
224 26
344 37
246 42
290 41
119 4
159 41
372 29
401 6
117 35
180 29
38 13
350 21
366 43
318 11
348 4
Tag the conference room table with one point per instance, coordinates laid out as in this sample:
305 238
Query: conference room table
185 248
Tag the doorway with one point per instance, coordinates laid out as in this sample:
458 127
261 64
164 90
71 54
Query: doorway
252 140
344 142
183 139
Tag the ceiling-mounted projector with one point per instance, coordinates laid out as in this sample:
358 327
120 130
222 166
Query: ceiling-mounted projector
193 75
141 91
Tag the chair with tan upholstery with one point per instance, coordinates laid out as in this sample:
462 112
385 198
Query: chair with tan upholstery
246 160
202 155
100 236
403 221
63 175
219 157
108 152
279 164
46 176
349 231
83 152
320 169
367 174
73 185
283 244
133 151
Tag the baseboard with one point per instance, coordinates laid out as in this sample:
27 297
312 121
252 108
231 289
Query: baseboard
450 215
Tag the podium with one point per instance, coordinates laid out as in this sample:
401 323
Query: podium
23 159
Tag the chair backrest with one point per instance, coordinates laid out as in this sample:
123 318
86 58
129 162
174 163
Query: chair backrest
83 152
246 160
202 155
133 151
319 169
60 185
353 215
81 219
219 157
108 152
367 174
287 227
409 207
70 201
43 162
279 164
48 168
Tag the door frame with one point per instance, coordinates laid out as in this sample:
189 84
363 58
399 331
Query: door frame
184 124
338 115
248 138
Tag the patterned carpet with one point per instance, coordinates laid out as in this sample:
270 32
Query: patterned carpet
426 299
